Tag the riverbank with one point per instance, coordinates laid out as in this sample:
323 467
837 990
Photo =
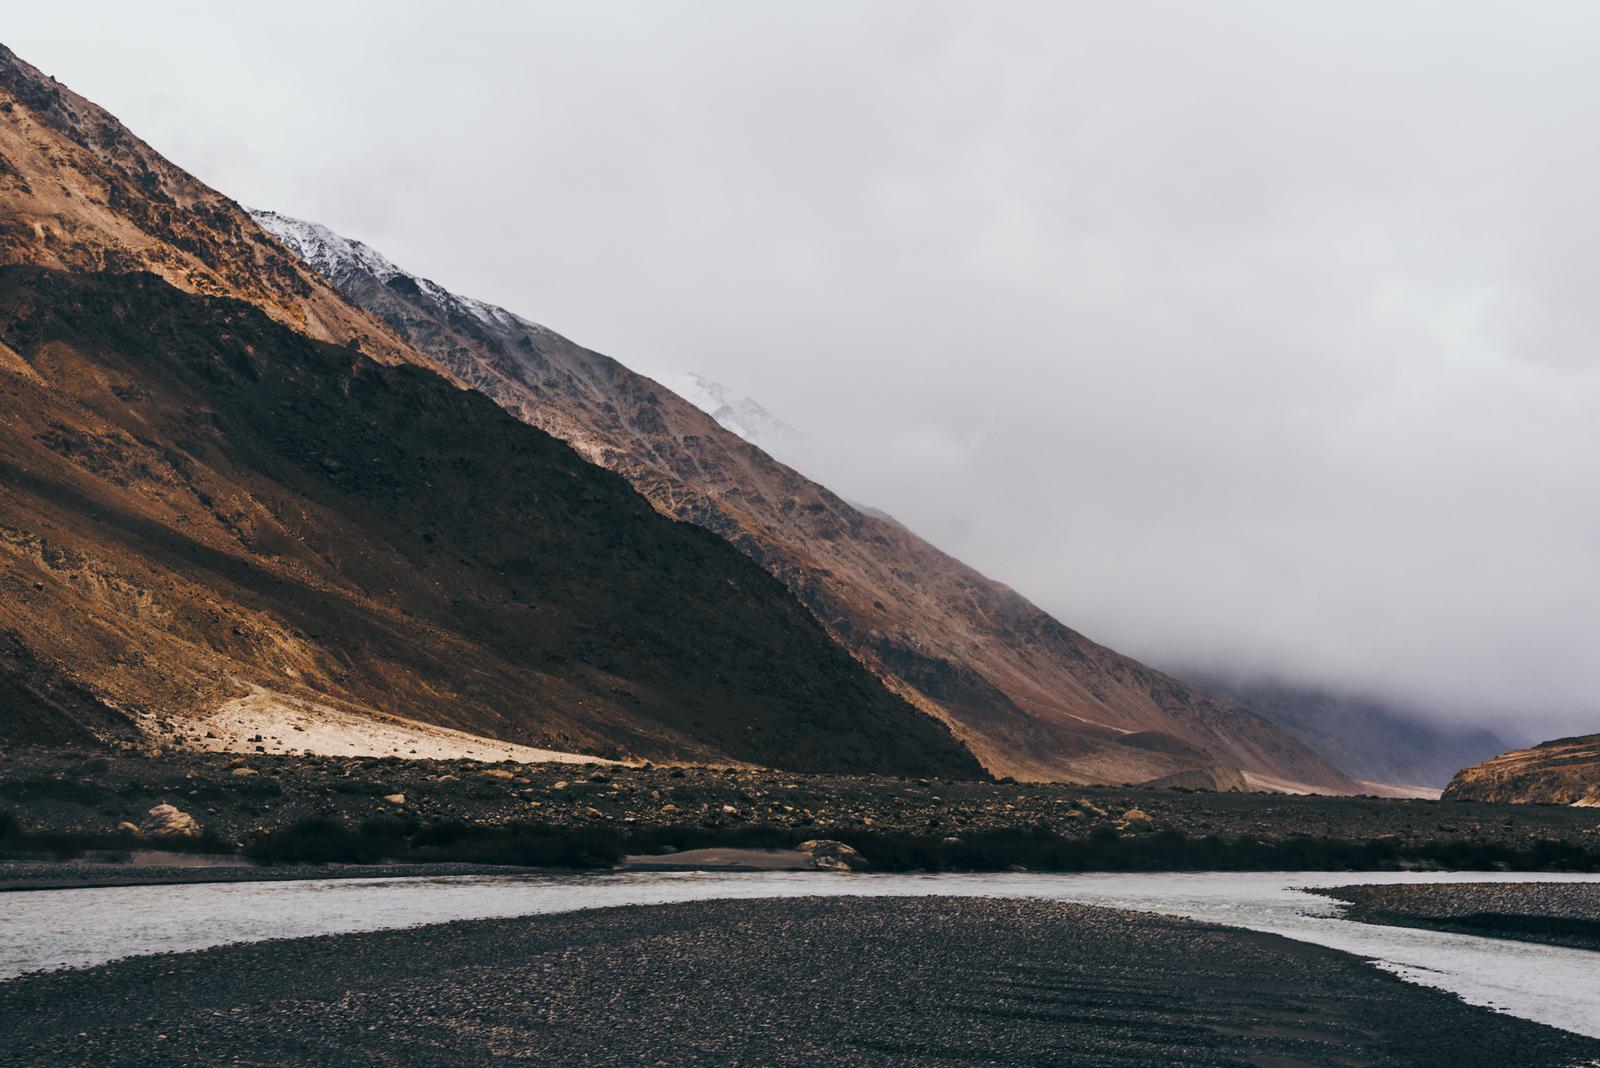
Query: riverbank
140 868
88 873
357 810
914 981
1559 914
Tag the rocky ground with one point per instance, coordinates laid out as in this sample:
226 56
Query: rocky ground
836 982
233 799
1563 914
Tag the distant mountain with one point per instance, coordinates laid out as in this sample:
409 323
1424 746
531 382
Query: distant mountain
1365 737
1029 696
878 513
221 480
1565 771
748 419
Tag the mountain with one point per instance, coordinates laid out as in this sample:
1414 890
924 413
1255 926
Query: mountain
1371 739
1029 696
226 489
1561 772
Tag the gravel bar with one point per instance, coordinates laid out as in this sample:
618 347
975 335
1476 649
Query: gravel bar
1561 914
768 983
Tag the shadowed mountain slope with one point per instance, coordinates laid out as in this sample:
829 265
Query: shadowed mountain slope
195 500
1029 696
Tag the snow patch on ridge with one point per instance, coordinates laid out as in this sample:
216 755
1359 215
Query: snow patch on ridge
339 259
330 254
746 418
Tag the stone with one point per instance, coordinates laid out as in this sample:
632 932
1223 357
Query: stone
241 773
169 821
395 799
829 855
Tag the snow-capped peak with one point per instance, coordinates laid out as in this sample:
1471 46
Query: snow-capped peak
328 253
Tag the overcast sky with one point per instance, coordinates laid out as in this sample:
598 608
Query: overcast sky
1258 335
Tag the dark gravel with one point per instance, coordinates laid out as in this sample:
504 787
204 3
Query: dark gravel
768 983
1562 914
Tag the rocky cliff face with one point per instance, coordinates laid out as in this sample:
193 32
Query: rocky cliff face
1562 772
1029 696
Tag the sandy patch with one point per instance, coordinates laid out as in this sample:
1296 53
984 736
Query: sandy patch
272 722
1395 789
1273 785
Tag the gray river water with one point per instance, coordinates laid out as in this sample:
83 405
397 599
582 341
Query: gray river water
47 929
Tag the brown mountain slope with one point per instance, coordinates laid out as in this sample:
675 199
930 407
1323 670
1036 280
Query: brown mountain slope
1029 696
195 500
1561 772
79 191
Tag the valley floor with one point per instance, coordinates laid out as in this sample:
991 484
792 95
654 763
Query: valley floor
916 981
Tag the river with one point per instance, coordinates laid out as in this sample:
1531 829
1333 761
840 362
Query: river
47 929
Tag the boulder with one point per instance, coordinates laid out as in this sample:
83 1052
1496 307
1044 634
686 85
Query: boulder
829 855
1136 818
169 821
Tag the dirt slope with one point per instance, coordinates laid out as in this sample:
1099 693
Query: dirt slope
1561 772
1031 697
195 500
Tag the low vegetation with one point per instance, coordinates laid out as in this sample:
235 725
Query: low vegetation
324 840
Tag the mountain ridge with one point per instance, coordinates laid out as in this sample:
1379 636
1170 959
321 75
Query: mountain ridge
81 192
